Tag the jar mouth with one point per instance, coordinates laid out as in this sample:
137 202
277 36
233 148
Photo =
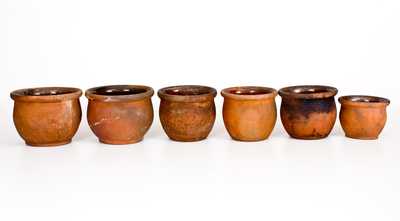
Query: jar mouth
364 100
308 92
119 92
187 93
249 92
46 94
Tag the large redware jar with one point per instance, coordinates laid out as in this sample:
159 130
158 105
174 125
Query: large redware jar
187 113
120 114
47 116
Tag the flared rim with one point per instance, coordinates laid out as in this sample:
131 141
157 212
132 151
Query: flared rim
249 93
187 93
115 93
308 92
46 94
364 100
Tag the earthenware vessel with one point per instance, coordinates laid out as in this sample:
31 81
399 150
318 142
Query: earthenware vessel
187 112
47 116
249 112
120 114
308 112
363 117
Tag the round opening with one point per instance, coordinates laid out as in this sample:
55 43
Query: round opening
118 91
46 94
250 91
363 99
308 91
186 91
46 91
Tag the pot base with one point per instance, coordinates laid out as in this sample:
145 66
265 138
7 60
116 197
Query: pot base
249 140
309 138
361 138
119 142
48 144
188 140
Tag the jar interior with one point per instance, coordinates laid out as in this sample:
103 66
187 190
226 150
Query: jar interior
186 91
118 91
250 91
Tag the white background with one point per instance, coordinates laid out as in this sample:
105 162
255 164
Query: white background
351 44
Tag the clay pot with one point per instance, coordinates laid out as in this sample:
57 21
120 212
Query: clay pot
48 116
249 112
187 112
363 117
308 112
120 114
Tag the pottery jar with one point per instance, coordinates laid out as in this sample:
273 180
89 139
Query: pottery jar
249 112
308 112
363 117
47 116
187 113
120 114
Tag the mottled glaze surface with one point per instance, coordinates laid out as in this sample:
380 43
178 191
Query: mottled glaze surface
187 112
120 114
309 111
249 112
363 117
48 116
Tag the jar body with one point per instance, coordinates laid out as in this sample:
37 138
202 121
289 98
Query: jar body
187 121
47 123
308 118
249 120
122 122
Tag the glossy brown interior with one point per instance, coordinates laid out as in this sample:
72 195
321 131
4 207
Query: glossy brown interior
45 91
309 90
118 90
365 99
187 91
250 91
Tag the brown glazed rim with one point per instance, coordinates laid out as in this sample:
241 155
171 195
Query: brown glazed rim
46 94
187 93
308 92
364 100
249 93
117 93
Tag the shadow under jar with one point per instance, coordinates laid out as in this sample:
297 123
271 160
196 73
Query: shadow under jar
249 112
187 113
363 117
309 111
120 114
47 116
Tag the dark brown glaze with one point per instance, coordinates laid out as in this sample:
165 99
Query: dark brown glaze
363 117
187 113
120 114
309 111
48 116
249 112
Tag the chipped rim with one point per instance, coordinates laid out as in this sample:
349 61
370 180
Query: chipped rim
46 94
308 92
187 93
118 93
364 101
249 93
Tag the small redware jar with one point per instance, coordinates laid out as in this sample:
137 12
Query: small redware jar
47 116
120 114
187 112
249 112
309 111
363 117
